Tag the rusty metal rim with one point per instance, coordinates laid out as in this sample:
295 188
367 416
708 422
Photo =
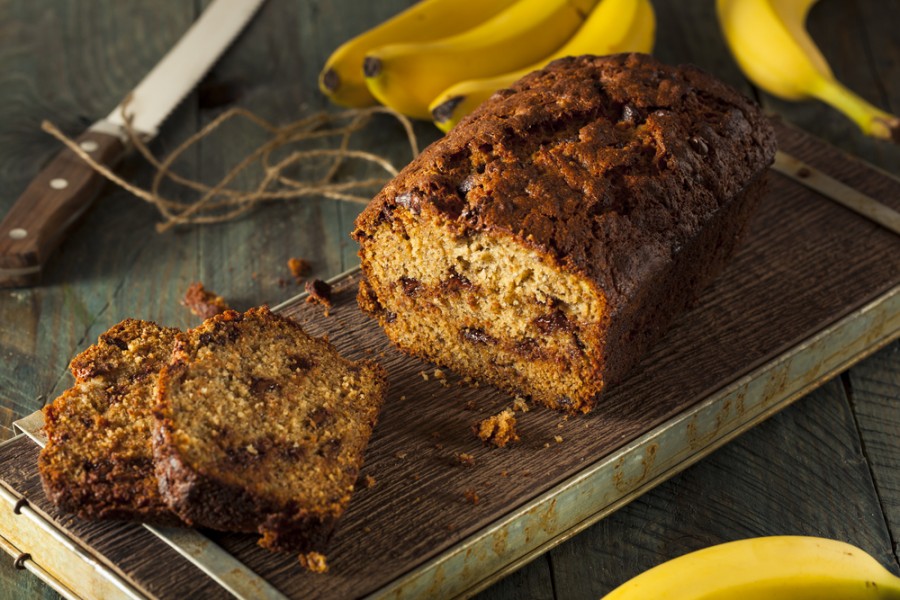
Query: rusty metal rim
886 308
59 537
28 563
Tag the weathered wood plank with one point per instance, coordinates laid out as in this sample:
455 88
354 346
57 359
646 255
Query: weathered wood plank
817 483
875 398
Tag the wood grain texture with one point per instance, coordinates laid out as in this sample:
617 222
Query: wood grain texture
71 62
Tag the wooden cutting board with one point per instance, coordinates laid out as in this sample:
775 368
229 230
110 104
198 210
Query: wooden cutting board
814 288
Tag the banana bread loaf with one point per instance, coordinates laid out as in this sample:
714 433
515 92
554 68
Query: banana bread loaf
98 461
550 238
260 427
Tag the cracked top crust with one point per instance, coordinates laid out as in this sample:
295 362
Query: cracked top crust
607 165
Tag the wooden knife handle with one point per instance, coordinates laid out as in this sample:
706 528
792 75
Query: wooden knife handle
51 203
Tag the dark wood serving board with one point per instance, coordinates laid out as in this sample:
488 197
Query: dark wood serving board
806 264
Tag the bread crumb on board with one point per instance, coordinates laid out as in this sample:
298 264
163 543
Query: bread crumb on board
319 293
499 429
314 562
465 459
471 496
520 404
202 302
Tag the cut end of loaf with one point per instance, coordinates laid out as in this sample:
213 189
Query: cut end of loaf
486 306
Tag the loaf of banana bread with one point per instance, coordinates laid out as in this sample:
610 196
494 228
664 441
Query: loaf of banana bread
98 461
548 240
262 428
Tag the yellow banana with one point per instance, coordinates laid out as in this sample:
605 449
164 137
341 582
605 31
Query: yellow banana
341 78
613 26
766 568
769 41
406 77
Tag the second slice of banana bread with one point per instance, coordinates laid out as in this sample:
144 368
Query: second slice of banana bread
98 461
261 427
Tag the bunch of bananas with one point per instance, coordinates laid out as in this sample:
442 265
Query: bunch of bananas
767 568
769 41
441 58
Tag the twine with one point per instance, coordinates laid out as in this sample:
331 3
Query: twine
220 202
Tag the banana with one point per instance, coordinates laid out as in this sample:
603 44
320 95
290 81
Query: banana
766 568
769 41
341 79
406 77
613 26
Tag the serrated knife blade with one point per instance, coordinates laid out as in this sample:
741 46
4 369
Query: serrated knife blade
66 186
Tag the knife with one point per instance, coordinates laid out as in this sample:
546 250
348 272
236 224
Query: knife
66 186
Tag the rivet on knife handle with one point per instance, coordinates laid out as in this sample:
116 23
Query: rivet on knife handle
54 199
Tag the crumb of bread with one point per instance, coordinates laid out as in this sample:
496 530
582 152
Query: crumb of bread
368 481
319 292
471 496
471 405
202 302
299 268
546 444
424 375
465 459
314 562
499 429
558 438
520 404
438 374
400 454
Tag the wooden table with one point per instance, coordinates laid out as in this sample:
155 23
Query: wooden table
828 465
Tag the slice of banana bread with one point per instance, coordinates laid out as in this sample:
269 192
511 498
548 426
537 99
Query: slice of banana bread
549 239
261 427
98 461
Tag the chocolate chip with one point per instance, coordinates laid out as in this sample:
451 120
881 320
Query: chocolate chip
300 363
699 145
262 385
477 335
329 448
320 416
120 344
411 286
528 348
631 115
553 322
410 202
206 339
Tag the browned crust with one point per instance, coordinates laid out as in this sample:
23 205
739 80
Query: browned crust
635 155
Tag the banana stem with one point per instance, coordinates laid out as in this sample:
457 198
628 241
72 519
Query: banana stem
872 120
